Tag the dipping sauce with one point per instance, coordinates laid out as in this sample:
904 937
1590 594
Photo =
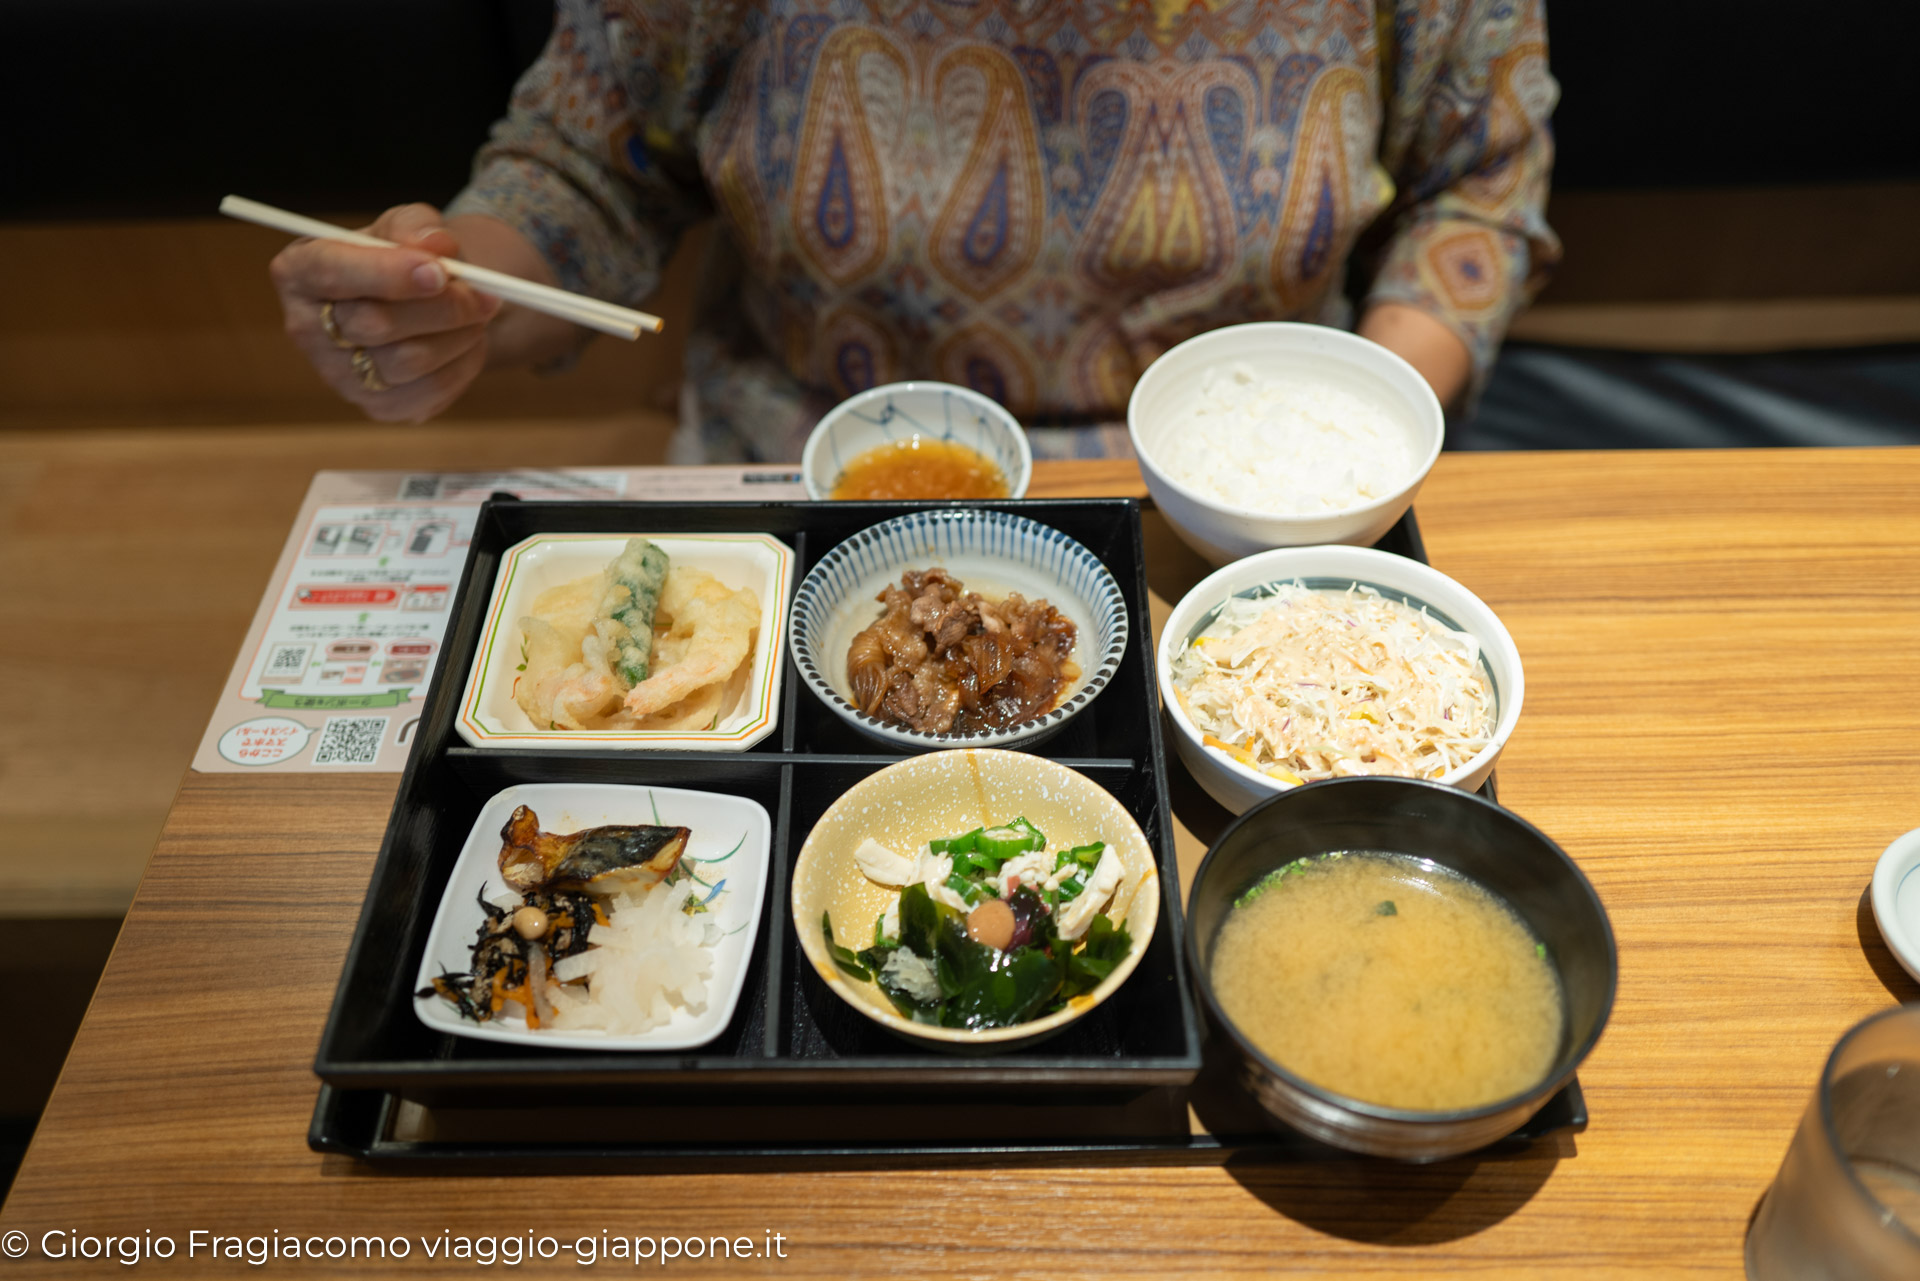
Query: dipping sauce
920 468
1385 980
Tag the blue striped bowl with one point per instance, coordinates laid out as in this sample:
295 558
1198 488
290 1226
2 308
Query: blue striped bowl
992 553
902 411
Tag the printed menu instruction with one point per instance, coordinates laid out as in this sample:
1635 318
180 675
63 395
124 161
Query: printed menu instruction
335 667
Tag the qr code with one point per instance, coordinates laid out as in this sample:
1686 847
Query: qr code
286 662
420 487
351 740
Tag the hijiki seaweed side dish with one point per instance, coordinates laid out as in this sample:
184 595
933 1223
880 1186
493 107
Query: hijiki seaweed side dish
600 930
990 930
644 645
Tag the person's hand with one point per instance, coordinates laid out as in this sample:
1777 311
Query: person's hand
405 340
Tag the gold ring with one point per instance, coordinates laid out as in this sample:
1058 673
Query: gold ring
369 376
331 328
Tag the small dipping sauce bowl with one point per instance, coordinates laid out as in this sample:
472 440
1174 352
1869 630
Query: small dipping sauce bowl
899 412
1456 830
1896 900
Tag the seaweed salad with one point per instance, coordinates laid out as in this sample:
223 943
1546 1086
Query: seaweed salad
989 929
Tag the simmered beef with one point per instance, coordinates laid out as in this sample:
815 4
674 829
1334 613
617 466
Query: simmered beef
945 660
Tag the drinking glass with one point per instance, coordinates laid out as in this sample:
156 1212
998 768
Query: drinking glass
1846 1203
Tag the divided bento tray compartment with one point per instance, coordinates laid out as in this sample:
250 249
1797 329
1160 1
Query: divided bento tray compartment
797 1073
789 1032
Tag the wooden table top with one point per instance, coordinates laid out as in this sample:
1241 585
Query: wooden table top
1721 667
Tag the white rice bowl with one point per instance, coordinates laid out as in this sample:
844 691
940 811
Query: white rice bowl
1285 446
1332 394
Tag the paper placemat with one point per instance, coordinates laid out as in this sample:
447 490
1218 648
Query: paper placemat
336 663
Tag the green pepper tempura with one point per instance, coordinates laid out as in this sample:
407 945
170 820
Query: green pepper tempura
990 930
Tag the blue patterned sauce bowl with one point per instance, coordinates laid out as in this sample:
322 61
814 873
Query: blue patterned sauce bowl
990 552
902 411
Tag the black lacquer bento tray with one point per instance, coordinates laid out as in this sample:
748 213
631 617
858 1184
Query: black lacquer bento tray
797 1076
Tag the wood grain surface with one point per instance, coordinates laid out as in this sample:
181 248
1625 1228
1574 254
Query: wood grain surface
174 323
196 518
1721 690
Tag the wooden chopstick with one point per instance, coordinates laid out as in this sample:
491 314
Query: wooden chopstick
622 322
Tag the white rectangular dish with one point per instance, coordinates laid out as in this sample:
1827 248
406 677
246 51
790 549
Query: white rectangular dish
728 843
488 716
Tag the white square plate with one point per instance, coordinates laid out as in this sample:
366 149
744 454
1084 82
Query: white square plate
727 846
489 717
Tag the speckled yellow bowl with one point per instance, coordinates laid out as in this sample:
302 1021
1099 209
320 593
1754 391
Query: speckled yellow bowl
943 794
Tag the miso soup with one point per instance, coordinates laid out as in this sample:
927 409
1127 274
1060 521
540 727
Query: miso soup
1387 980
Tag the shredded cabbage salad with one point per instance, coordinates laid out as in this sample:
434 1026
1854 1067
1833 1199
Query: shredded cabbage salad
1304 684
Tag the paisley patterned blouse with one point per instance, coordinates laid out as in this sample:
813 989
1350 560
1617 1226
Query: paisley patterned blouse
1030 197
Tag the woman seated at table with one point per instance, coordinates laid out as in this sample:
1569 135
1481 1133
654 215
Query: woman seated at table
1030 197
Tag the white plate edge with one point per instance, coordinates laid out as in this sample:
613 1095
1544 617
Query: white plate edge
443 1020
476 734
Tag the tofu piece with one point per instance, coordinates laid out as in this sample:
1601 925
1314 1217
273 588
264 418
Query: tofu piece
1076 916
932 872
1030 869
926 863
882 865
914 975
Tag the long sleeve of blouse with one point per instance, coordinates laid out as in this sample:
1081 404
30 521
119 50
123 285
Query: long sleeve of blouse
1031 197
595 160
1467 143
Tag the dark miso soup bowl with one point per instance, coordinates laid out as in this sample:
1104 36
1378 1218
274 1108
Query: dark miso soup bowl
1456 830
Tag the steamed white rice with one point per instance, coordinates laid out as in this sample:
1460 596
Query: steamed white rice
1289 447
650 960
